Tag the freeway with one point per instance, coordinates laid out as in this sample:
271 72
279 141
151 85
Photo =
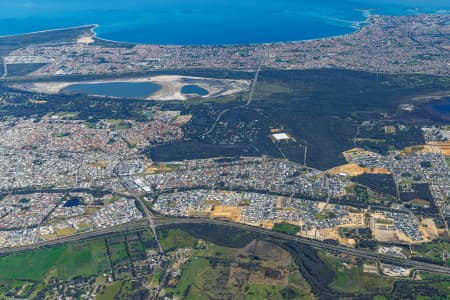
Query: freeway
149 216
315 243
142 224
159 221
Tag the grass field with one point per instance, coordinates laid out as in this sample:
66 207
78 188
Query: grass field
148 240
286 228
32 265
118 253
136 249
136 246
258 291
84 259
206 275
432 251
65 262
204 278
260 270
211 250
354 280
109 292
320 216
122 289
191 275
176 238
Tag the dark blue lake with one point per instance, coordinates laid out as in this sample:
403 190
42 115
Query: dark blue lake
204 21
194 89
74 201
116 89
442 108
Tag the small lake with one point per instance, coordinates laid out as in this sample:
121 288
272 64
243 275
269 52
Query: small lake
74 201
438 110
193 89
442 108
116 89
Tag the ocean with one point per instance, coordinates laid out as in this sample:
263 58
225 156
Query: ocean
204 21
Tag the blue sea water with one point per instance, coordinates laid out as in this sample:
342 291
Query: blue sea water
204 21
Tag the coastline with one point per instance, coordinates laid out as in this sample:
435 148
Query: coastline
352 26
50 30
355 27
358 25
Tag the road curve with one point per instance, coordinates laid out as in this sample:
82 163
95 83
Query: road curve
250 97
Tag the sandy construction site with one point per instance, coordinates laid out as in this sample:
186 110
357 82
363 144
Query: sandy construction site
355 170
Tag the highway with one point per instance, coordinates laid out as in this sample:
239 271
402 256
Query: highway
315 243
250 96
149 216
142 224
165 221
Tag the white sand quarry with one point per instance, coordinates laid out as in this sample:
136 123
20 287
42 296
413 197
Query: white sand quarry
171 86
